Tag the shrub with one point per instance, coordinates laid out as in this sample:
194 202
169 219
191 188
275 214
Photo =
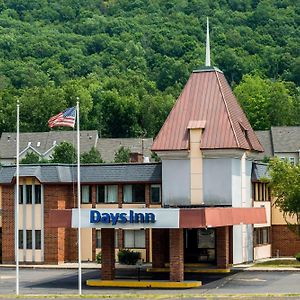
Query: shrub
128 257
297 256
99 258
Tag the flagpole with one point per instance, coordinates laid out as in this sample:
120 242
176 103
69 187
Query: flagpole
17 200
79 201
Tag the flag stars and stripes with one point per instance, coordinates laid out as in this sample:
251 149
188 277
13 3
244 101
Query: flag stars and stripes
65 118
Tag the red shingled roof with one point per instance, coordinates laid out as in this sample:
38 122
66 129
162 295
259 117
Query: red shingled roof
208 97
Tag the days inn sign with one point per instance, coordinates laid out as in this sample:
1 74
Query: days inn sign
127 218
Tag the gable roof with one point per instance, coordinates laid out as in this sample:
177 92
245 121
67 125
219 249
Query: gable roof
92 173
43 141
265 138
207 97
286 138
259 172
108 147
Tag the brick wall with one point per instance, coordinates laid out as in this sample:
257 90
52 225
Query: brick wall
284 240
58 246
108 254
8 226
160 247
222 247
176 255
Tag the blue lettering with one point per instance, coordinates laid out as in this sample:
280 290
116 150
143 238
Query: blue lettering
123 218
149 218
95 216
139 218
105 218
114 218
131 220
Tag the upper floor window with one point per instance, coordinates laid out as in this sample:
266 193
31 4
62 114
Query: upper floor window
38 194
292 160
155 193
261 192
134 193
29 194
107 194
86 195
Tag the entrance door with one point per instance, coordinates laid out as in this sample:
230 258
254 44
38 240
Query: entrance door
200 245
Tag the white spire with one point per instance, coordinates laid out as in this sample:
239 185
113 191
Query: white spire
207 56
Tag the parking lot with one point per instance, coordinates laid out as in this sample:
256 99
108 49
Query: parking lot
64 282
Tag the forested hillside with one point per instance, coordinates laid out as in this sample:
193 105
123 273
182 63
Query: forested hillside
127 60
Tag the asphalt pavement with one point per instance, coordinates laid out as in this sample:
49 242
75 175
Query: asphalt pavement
62 282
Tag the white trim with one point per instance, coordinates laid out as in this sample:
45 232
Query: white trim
221 153
30 147
177 154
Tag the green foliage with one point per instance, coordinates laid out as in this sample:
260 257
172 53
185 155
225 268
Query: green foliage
285 184
265 102
64 153
93 156
122 155
127 61
30 158
99 257
128 257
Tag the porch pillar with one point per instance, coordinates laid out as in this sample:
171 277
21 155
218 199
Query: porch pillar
108 253
176 255
222 247
160 247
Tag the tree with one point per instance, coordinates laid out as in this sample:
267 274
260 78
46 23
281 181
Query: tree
285 184
30 158
64 153
93 156
266 103
122 155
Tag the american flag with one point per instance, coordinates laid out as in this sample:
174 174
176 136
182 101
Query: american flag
65 118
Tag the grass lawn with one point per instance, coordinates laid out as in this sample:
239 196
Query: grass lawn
279 263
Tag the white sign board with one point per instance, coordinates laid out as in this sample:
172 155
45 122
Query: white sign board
133 218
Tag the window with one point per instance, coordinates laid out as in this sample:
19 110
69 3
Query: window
37 189
98 238
292 160
28 239
21 194
261 192
86 196
134 238
21 239
107 194
28 194
261 236
155 196
37 239
134 193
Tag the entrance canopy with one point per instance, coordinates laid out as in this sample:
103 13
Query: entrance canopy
136 218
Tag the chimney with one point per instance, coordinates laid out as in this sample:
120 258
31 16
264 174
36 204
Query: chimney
136 157
196 162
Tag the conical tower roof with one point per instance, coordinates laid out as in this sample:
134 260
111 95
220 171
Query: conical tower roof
207 97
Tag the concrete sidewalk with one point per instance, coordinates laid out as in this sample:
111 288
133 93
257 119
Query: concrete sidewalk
252 267
93 265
